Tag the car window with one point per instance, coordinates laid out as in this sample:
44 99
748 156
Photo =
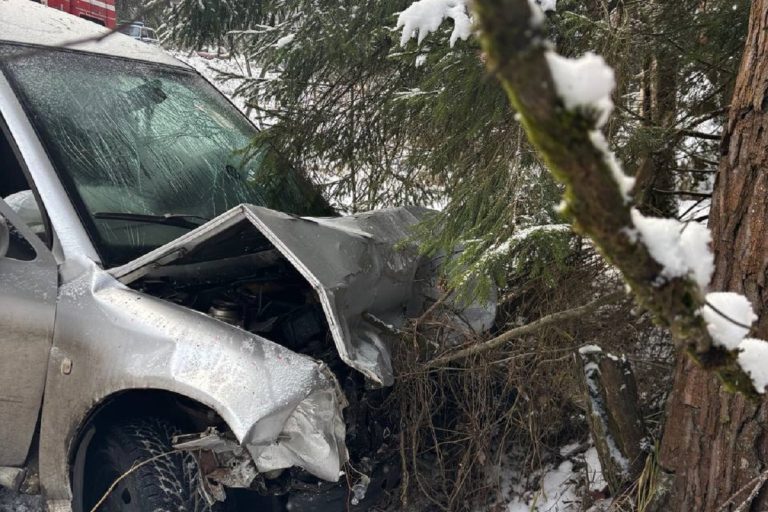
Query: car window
18 248
131 30
136 138
15 188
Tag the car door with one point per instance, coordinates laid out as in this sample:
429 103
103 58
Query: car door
28 289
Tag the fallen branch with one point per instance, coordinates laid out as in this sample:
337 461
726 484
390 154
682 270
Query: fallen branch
524 330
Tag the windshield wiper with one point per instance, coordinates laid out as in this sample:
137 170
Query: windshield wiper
180 220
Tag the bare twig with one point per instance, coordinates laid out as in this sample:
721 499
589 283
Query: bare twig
126 474
703 195
756 484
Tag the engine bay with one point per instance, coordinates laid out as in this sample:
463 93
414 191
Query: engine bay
262 292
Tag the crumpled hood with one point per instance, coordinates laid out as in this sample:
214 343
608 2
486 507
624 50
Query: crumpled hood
361 267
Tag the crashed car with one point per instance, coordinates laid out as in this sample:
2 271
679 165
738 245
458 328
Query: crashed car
182 317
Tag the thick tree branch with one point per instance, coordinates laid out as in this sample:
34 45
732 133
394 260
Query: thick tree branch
516 53
525 330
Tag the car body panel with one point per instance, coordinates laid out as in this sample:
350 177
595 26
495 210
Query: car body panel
109 338
27 309
59 29
356 265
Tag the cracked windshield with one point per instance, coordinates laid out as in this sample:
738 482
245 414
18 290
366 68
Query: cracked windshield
147 152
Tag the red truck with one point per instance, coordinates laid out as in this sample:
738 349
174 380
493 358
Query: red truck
98 11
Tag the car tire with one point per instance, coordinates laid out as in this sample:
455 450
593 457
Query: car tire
168 483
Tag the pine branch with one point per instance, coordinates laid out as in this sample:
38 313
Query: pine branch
593 201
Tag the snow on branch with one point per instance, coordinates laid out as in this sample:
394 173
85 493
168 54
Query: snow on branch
562 104
426 16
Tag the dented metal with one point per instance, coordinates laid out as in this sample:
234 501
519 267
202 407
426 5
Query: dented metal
355 264
76 337
272 399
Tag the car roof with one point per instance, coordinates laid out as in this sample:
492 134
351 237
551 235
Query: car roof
27 22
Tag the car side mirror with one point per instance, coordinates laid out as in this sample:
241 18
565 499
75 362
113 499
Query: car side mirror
5 237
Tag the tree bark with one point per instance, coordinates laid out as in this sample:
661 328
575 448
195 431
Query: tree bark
715 442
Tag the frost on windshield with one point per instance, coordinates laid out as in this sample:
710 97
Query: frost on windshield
143 140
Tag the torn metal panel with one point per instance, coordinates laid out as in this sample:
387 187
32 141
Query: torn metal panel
356 264
222 462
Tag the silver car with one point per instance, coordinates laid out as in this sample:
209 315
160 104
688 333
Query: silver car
181 315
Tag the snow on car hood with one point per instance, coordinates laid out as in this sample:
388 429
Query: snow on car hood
357 265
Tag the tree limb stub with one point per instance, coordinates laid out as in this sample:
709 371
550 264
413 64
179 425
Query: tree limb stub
516 52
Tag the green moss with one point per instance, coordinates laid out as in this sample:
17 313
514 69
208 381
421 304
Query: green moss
594 202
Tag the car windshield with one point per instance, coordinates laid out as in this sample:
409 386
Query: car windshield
132 30
147 151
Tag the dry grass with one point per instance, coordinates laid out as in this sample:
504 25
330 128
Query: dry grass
459 422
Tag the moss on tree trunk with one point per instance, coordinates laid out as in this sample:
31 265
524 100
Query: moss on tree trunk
593 202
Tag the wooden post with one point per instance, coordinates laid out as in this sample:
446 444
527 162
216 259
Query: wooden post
615 421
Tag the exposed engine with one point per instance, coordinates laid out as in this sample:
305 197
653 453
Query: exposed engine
273 301
335 289
263 293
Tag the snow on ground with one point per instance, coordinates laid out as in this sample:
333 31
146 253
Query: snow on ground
558 487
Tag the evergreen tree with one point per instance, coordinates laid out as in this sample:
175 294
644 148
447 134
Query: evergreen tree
379 125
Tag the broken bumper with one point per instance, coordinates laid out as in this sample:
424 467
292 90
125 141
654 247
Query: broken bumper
312 438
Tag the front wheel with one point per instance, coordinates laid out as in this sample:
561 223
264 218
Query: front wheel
166 481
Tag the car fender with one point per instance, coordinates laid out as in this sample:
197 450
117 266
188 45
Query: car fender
109 339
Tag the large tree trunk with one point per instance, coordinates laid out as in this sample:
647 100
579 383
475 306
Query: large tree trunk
716 443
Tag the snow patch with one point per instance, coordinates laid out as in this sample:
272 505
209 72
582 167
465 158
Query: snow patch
285 41
585 83
594 470
723 313
425 16
557 492
543 228
753 359
33 23
625 183
590 349
547 5
682 249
